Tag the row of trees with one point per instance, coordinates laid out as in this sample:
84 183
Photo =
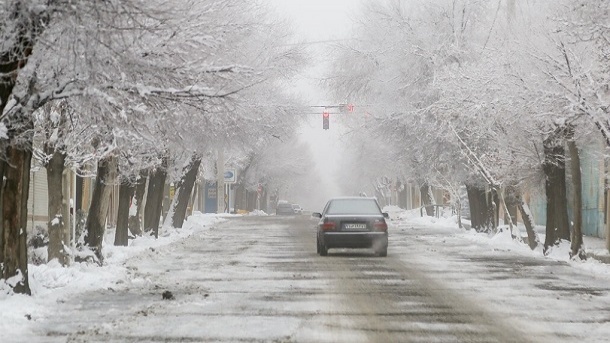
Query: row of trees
493 95
134 93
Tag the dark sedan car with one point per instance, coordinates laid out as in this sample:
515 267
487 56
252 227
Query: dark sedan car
354 222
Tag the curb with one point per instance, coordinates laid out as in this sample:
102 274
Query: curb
600 258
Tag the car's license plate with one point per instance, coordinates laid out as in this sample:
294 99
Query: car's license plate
354 226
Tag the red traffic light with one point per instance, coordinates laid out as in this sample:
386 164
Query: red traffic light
350 107
325 114
325 120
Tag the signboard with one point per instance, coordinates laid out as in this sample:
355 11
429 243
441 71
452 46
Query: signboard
210 197
230 176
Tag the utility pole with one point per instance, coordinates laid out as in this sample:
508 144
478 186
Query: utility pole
65 212
220 182
608 219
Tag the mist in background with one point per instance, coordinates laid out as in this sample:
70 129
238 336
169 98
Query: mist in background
319 23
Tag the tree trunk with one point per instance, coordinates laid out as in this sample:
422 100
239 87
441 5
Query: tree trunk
58 184
16 171
557 223
511 203
126 191
151 210
14 218
184 188
528 221
474 203
481 213
576 245
154 198
193 200
100 201
493 206
3 167
15 192
55 169
427 199
135 226
458 207
507 217
512 210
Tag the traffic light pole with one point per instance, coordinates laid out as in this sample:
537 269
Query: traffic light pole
326 113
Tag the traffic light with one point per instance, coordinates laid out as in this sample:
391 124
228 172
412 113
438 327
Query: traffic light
325 120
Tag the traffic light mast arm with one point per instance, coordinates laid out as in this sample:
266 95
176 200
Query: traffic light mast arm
342 107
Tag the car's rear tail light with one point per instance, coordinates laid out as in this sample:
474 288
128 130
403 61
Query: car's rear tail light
380 226
327 226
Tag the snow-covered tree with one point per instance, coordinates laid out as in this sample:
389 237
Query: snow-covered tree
469 84
133 71
393 67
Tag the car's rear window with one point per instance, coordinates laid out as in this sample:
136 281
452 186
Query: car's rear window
353 206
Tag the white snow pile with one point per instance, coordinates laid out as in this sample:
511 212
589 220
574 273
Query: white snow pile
258 213
50 282
414 218
53 280
503 239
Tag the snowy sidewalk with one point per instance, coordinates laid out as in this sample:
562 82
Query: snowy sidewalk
553 296
595 247
52 284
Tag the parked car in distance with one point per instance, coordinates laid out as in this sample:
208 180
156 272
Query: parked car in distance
352 222
297 209
284 208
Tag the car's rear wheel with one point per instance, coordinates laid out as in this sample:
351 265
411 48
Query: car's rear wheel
317 245
322 249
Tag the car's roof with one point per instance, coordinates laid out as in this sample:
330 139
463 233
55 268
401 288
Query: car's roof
353 198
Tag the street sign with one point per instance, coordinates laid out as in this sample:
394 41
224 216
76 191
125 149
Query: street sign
210 202
230 176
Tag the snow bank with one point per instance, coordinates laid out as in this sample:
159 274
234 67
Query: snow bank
413 218
503 240
51 282
258 213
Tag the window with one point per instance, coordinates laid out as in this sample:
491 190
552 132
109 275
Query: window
353 206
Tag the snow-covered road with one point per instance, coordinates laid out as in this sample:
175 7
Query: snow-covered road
258 279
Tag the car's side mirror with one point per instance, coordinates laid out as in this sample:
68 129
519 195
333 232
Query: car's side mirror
316 215
386 216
